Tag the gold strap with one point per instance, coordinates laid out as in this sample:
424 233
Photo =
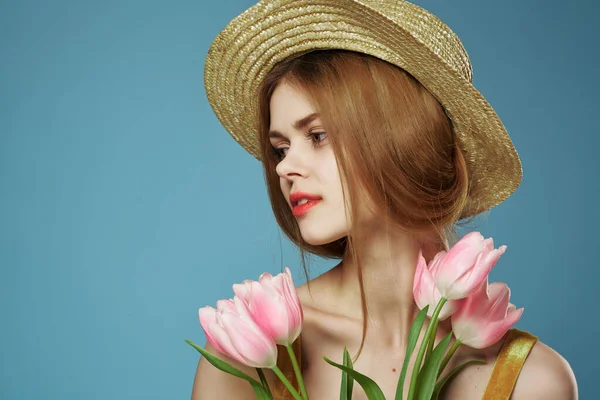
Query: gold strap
508 365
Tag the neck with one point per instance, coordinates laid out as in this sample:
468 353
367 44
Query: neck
388 262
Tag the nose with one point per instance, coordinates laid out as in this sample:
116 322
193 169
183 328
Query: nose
293 165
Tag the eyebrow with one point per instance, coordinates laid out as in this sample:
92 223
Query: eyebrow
298 125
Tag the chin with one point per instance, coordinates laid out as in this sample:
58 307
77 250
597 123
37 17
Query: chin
320 237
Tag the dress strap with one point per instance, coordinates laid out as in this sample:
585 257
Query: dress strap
508 365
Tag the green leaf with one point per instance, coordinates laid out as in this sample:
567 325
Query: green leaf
260 392
263 381
413 336
371 389
428 375
347 381
440 385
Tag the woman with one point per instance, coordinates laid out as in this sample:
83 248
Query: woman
374 145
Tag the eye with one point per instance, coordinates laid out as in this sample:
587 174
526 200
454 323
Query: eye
318 135
316 138
278 153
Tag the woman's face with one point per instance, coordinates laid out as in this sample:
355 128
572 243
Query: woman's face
307 164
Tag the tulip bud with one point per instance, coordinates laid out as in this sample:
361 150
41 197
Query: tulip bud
424 290
233 333
273 304
466 265
485 316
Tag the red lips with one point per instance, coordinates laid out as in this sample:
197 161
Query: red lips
302 209
297 196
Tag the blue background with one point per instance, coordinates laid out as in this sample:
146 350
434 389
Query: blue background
125 206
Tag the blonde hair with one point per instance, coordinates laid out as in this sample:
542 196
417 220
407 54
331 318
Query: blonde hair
394 146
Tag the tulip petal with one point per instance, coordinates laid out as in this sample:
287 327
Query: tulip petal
450 308
457 263
463 254
241 307
291 286
265 277
277 286
436 262
242 290
252 344
418 294
272 304
496 330
292 299
207 316
499 296
223 338
216 335
269 312
425 291
485 316
456 281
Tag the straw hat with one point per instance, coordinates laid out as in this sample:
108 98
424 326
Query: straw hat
396 31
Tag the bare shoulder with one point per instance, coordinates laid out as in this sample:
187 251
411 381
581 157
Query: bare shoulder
545 375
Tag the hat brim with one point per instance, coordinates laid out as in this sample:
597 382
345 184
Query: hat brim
268 32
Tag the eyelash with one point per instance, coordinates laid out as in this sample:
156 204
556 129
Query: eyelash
278 152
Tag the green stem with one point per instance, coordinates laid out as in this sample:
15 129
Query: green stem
449 356
297 371
263 380
286 383
426 338
431 342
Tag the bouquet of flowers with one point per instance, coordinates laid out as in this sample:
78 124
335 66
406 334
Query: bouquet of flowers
267 313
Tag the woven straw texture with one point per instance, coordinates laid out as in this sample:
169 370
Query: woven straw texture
398 32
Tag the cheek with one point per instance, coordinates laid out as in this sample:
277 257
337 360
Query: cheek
334 181
331 172
334 189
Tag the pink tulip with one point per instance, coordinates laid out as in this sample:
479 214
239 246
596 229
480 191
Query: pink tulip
466 265
485 316
273 304
424 290
233 333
